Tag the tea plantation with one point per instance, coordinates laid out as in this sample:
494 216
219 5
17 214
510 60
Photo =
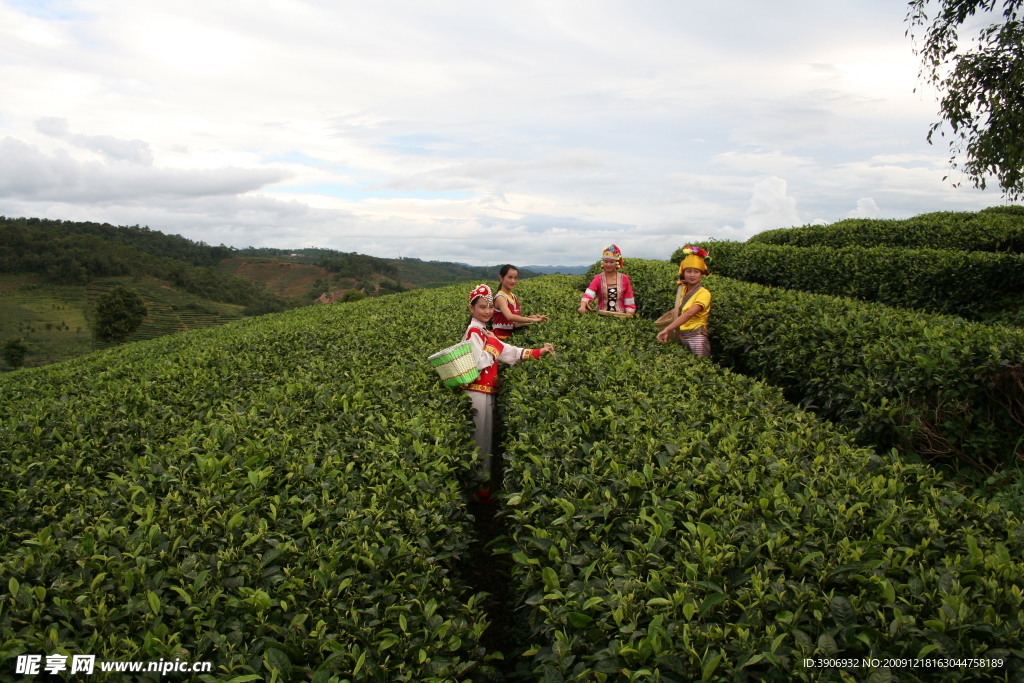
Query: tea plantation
997 228
285 496
281 496
674 521
962 263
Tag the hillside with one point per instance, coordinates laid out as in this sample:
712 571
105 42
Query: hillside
410 272
142 239
65 253
54 320
51 271
279 277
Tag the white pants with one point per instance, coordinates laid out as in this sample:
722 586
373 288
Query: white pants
484 421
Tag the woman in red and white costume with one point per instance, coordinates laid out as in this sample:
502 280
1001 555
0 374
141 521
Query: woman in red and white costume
488 351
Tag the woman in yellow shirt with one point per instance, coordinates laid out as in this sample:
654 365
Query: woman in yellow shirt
695 305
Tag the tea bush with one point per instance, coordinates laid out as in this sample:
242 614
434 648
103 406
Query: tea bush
992 229
936 385
280 496
961 283
673 521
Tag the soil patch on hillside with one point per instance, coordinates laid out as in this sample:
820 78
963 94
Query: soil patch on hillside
282 278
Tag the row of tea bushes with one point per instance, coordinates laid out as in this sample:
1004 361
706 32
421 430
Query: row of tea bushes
280 496
939 281
937 385
998 228
673 521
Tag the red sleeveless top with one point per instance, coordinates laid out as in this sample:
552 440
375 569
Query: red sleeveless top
500 325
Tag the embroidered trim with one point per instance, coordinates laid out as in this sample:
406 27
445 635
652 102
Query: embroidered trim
690 296
482 388
694 332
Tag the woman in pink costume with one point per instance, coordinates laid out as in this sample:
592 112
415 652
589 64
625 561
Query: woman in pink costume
612 289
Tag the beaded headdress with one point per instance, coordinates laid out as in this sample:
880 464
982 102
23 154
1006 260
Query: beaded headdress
613 252
482 290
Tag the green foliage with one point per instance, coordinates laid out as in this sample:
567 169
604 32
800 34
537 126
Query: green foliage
982 87
391 287
358 266
13 350
118 314
352 295
674 521
936 385
269 304
152 242
280 493
416 272
992 229
968 284
283 496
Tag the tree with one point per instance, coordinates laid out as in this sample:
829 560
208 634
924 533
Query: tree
13 350
352 295
119 313
981 86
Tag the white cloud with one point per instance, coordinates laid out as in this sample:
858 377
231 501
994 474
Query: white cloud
762 162
463 129
27 173
770 207
111 148
866 208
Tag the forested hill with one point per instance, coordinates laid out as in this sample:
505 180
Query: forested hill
68 253
75 253
411 271
152 242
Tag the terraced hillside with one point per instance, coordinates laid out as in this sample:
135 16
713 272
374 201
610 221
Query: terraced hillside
54 319
170 310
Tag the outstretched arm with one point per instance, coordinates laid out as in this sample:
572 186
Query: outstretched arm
590 294
686 315
501 303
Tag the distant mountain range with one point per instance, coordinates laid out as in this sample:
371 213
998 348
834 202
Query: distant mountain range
564 270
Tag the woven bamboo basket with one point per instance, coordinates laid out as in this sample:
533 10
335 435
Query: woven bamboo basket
456 365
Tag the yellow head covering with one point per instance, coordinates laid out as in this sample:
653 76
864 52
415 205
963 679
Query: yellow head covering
694 259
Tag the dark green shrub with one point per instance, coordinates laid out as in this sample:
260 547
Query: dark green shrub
118 313
995 229
968 284
936 385
14 350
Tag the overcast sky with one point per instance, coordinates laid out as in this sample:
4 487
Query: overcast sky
483 132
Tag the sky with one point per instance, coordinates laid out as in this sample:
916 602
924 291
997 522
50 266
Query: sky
481 132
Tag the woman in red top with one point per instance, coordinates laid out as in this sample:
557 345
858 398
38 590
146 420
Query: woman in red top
507 313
